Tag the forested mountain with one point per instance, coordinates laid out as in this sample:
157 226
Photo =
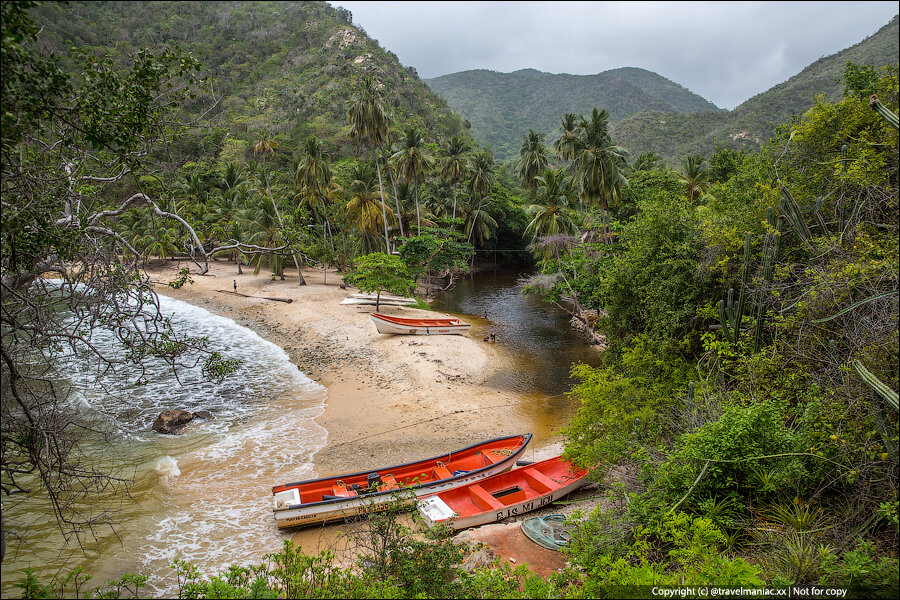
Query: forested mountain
502 107
647 112
289 68
674 135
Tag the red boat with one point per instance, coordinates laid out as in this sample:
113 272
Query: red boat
331 499
502 496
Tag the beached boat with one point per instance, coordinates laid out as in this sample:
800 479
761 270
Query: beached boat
400 325
370 299
383 297
502 496
367 302
332 499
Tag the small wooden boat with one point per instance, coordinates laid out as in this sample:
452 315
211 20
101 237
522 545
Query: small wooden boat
332 499
370 299
400 325
383 297
502 496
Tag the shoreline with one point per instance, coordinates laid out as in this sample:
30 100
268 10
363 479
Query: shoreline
390 399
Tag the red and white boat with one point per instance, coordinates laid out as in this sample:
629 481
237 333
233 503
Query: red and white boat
400 325
332 499
503 496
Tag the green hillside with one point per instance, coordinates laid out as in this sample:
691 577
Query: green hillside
674 135
286 67
502 107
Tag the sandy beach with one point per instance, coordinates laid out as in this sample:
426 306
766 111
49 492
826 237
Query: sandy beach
390 398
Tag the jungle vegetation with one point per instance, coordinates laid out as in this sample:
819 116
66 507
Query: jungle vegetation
745 420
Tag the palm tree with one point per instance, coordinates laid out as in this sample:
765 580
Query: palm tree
266 146
261 223
440 200
386 151
369 122
532 160
696 177
566 143
312 176
648 161
455 167
365 208
480 184
226 204
597 165
550 213
411 161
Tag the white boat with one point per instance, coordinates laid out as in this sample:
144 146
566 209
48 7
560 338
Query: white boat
383 297
400 325
333 499
371 299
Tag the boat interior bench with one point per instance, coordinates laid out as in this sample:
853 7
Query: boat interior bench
482 499
340 490
491 457
538 481
388 482
442 473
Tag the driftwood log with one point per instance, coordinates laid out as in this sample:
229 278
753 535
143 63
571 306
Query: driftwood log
287 300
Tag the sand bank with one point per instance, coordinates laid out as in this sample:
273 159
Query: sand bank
390 399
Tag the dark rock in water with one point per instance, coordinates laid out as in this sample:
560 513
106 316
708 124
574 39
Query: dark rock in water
203 414
170 420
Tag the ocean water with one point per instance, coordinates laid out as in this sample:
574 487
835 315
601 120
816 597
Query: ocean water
203 495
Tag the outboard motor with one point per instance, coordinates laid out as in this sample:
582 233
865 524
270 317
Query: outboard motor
373 480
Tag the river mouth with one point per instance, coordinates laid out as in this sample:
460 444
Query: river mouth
205 495
536 342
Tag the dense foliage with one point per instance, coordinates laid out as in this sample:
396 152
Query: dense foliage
745 418
285 67
752 366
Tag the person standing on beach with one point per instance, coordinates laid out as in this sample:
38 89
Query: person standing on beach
235 286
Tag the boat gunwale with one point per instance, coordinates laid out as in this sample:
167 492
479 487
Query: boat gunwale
407 322
527 438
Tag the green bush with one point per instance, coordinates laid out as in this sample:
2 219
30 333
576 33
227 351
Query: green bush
735 449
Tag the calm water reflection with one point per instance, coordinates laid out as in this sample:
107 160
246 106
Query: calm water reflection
538 335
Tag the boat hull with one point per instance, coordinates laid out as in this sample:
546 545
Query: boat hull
419 326
290 512
482 502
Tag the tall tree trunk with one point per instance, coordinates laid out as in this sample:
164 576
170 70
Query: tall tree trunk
455 190
280 222
396 197
418 218
387 243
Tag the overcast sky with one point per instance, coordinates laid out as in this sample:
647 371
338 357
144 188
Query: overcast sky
726 52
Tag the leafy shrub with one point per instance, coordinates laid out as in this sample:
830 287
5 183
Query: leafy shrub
734 448
680 550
